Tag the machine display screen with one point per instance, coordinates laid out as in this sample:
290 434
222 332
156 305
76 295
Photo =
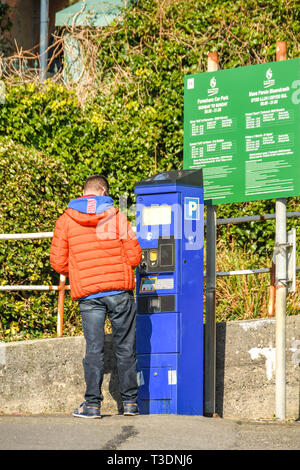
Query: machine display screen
157 215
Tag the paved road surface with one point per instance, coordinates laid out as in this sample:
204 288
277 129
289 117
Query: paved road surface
154 432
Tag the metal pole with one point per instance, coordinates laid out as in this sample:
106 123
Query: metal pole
25 287
252 218
60 308
280 306
44 23
25 236
281 289
210 314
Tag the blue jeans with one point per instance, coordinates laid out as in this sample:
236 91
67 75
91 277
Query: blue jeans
122 314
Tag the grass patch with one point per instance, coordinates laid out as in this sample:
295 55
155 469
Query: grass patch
246 297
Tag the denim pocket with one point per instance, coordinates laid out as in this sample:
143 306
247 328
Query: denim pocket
86 305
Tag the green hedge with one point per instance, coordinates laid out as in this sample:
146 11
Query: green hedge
35 189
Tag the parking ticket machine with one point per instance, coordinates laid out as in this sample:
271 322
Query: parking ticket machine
169 331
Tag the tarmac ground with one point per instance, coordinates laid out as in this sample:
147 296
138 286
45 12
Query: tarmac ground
145 432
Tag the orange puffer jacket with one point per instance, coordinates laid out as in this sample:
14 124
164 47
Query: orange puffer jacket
94 245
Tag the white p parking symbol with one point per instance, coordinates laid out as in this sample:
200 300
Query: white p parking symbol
192 223
192 208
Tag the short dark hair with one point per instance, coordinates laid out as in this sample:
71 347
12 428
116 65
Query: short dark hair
96 183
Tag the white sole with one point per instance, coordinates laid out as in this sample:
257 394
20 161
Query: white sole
88 417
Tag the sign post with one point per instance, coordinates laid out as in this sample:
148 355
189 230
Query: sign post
242 127
281 288
210 307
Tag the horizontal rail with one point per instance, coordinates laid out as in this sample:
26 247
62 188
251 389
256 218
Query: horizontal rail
25 236
23 287
252 218
244 272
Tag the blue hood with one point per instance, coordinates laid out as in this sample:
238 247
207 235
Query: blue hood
87 206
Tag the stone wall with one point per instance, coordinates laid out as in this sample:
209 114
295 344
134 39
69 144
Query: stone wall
46 376
246 368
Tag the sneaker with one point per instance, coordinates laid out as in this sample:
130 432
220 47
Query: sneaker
85 411
130 409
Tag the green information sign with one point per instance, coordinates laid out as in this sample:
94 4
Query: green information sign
242 126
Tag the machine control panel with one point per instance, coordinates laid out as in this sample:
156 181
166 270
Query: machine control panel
160 259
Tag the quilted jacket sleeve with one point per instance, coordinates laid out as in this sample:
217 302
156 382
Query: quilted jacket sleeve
59 253
131 245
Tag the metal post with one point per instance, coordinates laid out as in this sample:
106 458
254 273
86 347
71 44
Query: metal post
281 288
60 308
280 306
280 50
210 314
44 24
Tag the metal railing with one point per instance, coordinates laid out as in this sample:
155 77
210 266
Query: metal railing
62 287
245 219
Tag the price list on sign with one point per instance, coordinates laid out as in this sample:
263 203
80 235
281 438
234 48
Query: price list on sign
242 127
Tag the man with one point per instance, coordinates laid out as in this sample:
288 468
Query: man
94 245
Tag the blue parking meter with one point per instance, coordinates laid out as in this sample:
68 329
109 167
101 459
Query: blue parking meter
169 331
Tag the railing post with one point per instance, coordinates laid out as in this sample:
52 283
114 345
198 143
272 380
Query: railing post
60 308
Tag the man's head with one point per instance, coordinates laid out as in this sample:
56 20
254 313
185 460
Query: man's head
96 184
